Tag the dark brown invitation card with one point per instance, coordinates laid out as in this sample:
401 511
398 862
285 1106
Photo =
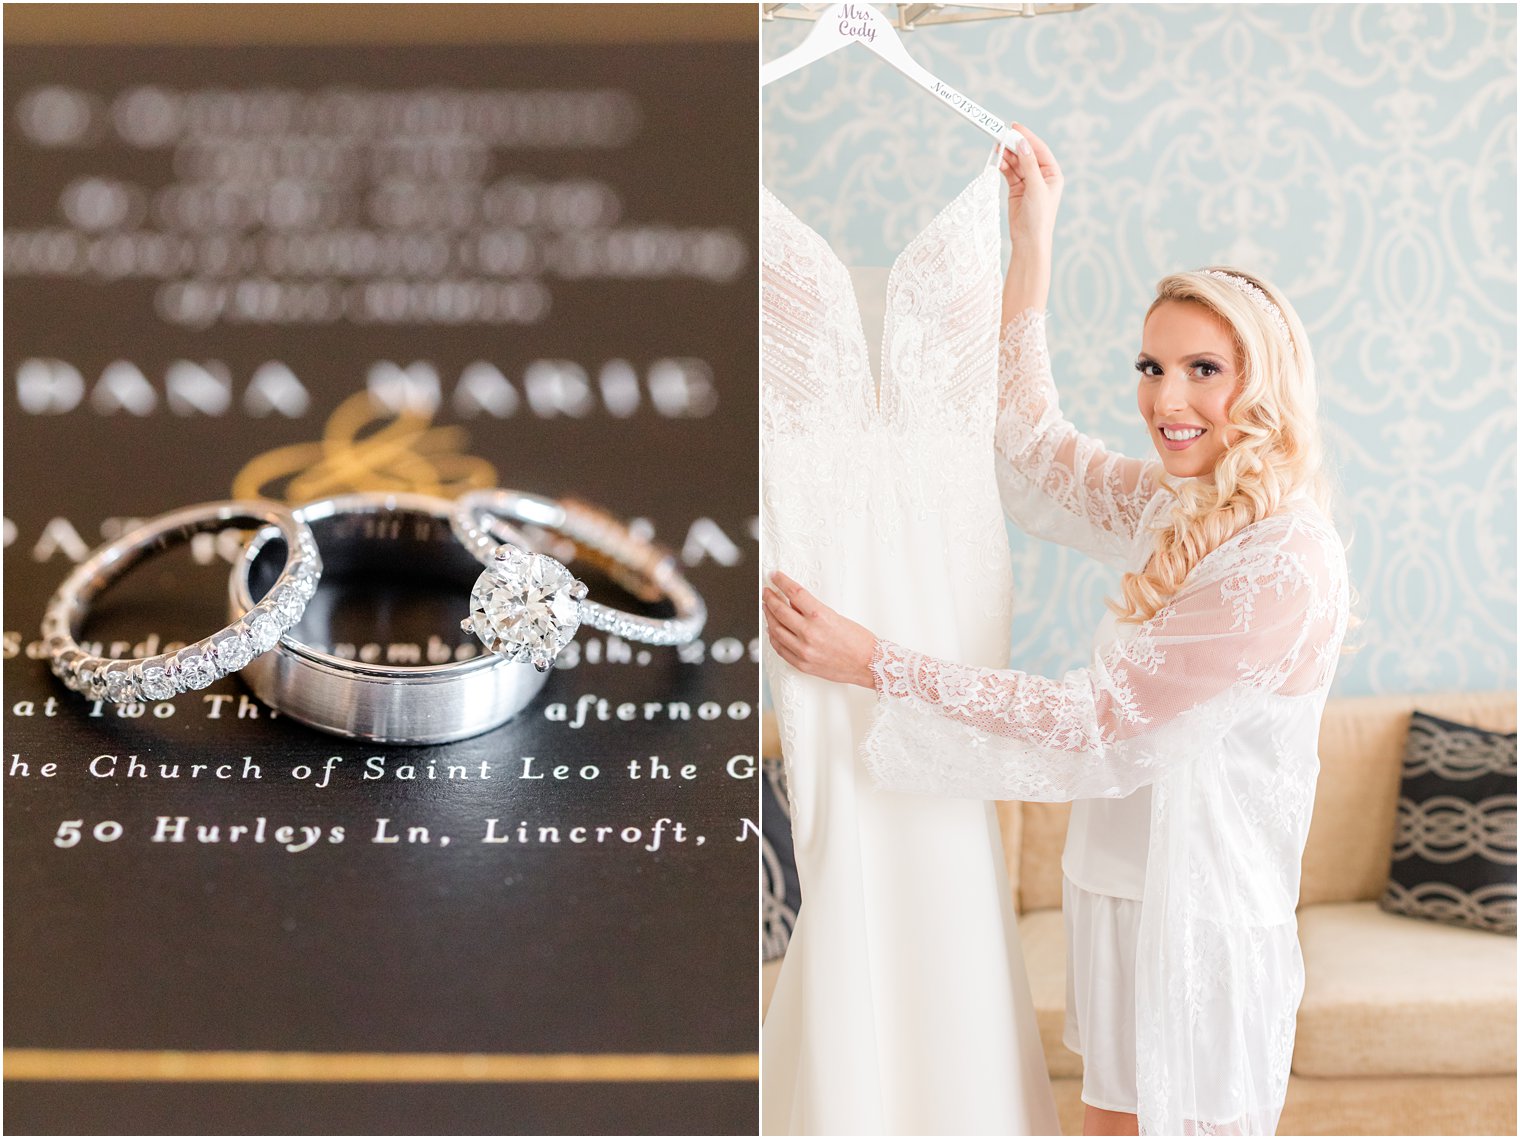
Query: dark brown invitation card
293 272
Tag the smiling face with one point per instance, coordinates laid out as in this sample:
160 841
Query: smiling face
1189 374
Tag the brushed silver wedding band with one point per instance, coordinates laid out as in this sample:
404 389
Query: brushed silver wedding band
387 703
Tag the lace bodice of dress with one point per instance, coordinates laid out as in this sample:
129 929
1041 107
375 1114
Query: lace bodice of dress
919 453
937 342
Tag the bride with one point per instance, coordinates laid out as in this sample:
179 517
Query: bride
1189 743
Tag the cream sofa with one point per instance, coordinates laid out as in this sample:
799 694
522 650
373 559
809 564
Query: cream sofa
1407 1027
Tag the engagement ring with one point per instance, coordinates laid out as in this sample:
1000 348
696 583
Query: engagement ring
526 606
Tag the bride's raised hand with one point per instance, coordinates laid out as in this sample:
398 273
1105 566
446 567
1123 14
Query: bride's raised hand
1034 192
814 639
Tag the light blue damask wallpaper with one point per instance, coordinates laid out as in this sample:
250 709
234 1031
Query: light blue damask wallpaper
1361 157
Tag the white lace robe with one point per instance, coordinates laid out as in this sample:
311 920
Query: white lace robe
1215 702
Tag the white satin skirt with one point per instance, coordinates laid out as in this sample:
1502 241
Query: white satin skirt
1101 934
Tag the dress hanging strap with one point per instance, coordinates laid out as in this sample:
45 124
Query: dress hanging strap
996 156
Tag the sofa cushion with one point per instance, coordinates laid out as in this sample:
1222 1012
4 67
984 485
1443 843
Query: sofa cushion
1390 996
1043 936
1454 841
1411 1105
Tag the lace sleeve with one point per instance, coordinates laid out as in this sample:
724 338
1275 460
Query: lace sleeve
1255 616
1055 482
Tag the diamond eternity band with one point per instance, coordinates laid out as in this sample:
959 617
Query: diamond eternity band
195 666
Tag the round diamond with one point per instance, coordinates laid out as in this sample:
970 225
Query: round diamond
119 687
156 684
232 651
196 668
289 604
263 630
524 607
304 579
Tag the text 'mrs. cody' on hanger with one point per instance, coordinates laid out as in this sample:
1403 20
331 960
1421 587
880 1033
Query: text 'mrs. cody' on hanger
842 24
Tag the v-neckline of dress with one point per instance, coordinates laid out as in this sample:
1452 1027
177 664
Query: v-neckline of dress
877 375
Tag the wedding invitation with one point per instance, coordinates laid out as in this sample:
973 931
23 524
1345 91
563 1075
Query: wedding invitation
292 272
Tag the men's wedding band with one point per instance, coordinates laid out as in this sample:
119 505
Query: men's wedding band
385 702
526 605
253 631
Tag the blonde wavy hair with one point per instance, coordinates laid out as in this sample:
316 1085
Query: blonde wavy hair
1278 448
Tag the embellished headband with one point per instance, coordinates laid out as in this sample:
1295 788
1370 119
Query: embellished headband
1259 298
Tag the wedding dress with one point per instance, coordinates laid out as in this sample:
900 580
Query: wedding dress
902 1005
1213 705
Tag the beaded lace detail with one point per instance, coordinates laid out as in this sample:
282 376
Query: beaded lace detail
836 446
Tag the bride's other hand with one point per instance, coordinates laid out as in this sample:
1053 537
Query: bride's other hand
1034 192
812 638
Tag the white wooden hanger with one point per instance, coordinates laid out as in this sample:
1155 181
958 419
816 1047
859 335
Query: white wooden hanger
842 24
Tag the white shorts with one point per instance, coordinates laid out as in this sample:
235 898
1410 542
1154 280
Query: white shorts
1101 933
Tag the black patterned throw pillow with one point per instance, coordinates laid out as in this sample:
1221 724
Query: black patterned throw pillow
1454 840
